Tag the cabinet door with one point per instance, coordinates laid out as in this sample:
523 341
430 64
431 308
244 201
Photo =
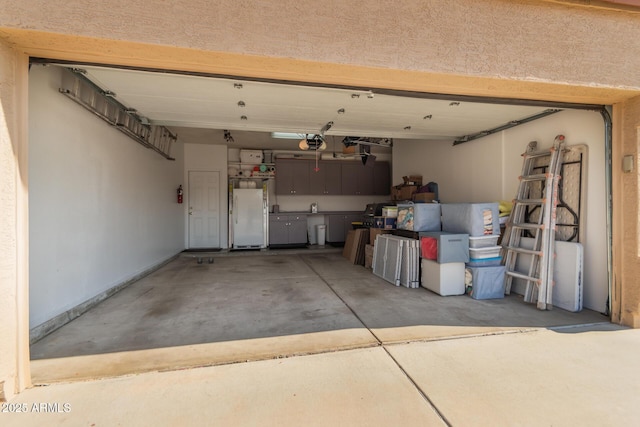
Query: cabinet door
350 172
278 230
298 229
333 178
284 177
317 180
365 180
300 176
335 229
357 179
381 179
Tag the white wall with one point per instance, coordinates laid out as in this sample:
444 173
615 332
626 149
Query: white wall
487 170
208 157
102 207
326 203
14 249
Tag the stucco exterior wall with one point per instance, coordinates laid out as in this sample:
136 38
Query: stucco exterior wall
503 40
14 358
626 216
545 41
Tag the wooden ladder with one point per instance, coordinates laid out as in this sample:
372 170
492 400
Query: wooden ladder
539 276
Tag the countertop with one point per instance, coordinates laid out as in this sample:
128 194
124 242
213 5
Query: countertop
319 213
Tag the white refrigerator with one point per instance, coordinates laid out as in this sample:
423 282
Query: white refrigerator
249 218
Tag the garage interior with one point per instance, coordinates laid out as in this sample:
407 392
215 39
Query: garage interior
103 214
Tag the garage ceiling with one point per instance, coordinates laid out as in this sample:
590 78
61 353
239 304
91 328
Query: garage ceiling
181 101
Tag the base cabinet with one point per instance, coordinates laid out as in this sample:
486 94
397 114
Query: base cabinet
287 230
339 225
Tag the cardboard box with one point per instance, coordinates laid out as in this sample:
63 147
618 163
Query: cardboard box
354 247
424 197
413 180
349 150
368 256
384 222
374 232
403 192
251 156
389 223
390 211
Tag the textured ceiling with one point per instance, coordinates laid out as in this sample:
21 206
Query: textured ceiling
185 101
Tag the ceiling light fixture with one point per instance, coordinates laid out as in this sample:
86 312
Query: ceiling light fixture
237 85
243 118
241 104
427 117
407 128
315 141
228 137
341 111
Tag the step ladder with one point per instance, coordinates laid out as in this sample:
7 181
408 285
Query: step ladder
539 275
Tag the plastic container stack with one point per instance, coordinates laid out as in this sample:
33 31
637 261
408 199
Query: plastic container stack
484 274
443 257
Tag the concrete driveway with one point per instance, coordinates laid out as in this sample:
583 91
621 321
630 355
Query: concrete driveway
309 339
585 376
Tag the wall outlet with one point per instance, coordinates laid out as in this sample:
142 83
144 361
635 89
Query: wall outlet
627 163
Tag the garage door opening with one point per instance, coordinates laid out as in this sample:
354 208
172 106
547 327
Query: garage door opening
103 213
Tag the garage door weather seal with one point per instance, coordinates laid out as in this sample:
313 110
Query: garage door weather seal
506 126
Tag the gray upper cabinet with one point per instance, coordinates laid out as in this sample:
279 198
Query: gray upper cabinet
334 177
381 179
327 180
292 176
357 179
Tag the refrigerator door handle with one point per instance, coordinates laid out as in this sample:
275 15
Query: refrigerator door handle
235 208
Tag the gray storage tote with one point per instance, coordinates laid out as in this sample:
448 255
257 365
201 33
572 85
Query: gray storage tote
487 282
474 219
418 216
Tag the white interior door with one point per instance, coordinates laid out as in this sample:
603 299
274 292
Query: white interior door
204 209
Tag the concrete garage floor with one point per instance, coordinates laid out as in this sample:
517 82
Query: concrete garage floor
262 305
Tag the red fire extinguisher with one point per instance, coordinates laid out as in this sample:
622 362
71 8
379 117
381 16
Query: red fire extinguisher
180 194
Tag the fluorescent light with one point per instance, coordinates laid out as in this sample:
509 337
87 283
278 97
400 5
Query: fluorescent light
289 135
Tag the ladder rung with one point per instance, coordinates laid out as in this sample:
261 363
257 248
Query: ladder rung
537 154
534 177
527 226
529 201
523 250
523 276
